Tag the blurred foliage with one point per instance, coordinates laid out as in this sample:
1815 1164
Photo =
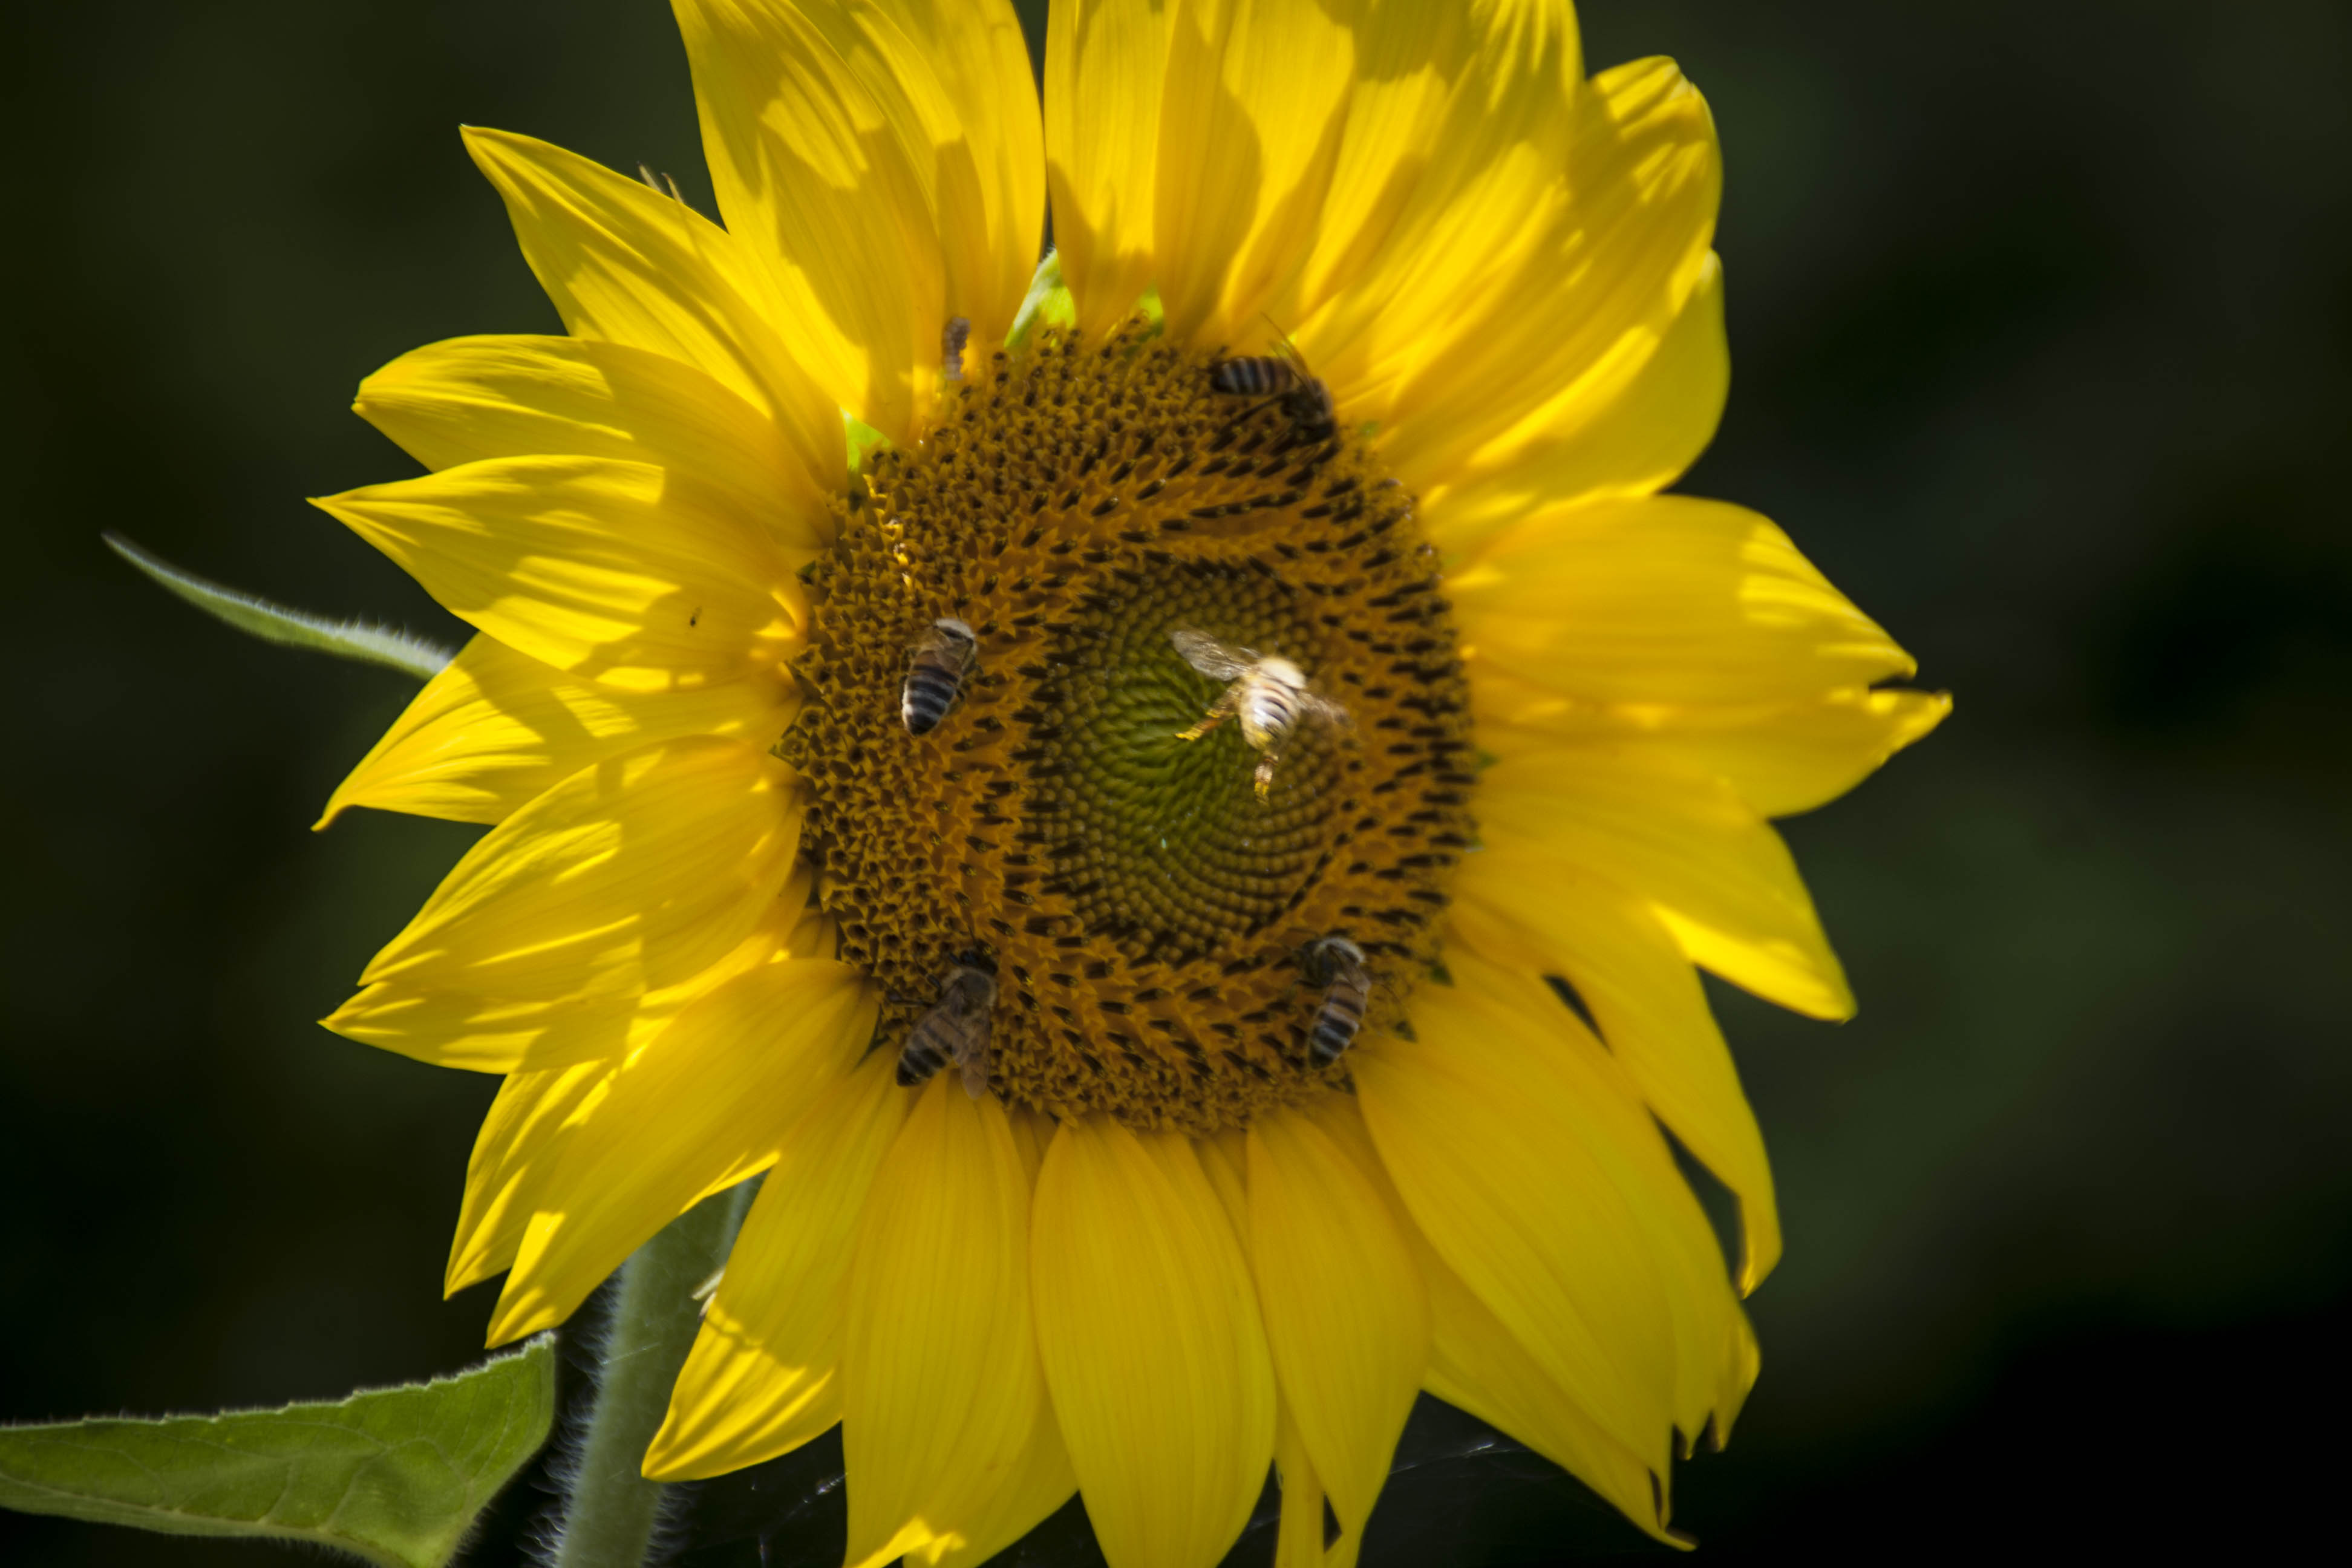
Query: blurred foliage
2043 322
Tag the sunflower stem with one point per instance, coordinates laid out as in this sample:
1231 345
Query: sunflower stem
611 1516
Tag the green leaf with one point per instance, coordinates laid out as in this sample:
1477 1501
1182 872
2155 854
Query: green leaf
275 623
395 1476
1047 304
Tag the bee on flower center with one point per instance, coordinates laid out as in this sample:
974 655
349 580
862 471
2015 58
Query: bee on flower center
954 1030
1336 964
952 337
1270 696
942 660
1282 376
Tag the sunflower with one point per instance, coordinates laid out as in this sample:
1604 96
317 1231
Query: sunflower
1378 329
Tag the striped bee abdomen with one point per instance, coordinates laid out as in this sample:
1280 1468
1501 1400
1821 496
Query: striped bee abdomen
1262 376
942 660
1347 992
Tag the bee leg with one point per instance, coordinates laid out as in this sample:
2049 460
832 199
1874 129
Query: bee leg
1219 712
1265 775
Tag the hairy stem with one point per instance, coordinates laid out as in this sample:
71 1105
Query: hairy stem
612 1514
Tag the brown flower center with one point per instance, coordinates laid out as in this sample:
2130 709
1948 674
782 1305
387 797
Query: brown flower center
1149 919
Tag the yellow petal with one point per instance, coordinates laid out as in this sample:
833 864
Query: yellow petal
1597 293
497 728
1626 968
623 573
1152 1343
1628 427
471 399
1490 1160
698 1111
626 877
1710 868
982 61
940 1386
1476 1364
824 166
1105 63
1663 599
1299 1541
499 1033
1523 1015
1346 1317
514 1165
1781 757
623 264
1456 223
763 1376
1041 1482
1249 128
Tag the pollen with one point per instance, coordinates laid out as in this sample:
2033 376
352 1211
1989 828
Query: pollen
1149 919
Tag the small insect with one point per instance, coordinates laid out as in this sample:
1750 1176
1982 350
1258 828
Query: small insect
1338 965
1270 696
943 659
954 1030
1282 376
951 341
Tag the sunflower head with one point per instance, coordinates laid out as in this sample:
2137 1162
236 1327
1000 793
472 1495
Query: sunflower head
1207 753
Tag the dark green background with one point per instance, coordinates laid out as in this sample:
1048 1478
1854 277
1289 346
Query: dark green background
2042 317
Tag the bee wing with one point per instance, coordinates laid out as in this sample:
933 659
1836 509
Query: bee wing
1332 713
1218 661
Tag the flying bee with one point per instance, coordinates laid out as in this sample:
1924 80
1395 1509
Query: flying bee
1270 696
951 340
943 659
1338 965
954 1030
1282 376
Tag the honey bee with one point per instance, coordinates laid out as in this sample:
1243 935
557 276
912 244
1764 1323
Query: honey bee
1338 965
1282 376
943 659
954 1030
951 340
1270 696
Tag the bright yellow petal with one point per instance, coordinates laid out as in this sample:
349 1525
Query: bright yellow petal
471 399
627 876
625 264
623 573
1347 1319
1628 427
1477 1365
514 1165
1711 869
1781 757
1150 1334
1663 599
698 1111
1608 1117
510 1035
940 1386
1459 224
1489 1161
1626 967
763 1376
1250 127
1596 295
495 729
1299 1541
1041 1482
815 128
981 61
1105 63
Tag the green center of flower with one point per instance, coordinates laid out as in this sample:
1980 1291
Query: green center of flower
1156 927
